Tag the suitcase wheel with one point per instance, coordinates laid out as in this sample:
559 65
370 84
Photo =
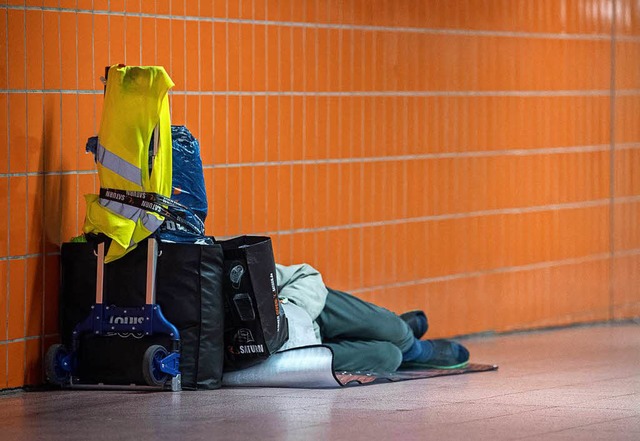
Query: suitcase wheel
57 371
151 365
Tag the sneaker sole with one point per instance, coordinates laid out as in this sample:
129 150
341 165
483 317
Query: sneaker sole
410 365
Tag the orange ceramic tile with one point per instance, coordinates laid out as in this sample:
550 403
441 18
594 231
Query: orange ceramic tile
272 193
192 114
192 56
243 195
178 106
285 205
285 128
132 41
68 45
33 362
70 225
85 70
69 131
87 184
233 202
259 202
206 55
15 363
257 66
52 206
301 245
299 65
17 132
627 232
245 128
296 197
100 5
208 185
178 62
162 7
334 127
205 137
3 366
4 276
3 51
117 5
116 39
4 220
272 66
627 162
245 49
34 47
626 127
191 9
15 299
101 56
259 128
626 277
63 4
286 62
220 57
87 127
34 296
163 46
15 41
202 9
217 195
233 56
148 42
219 129
233 129
35 216
51 284
18 210
259 9
272 128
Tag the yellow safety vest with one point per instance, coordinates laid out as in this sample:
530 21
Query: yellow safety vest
135 105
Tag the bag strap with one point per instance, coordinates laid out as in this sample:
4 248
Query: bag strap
151 202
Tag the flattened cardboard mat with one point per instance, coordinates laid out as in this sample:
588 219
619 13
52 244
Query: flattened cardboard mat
312 367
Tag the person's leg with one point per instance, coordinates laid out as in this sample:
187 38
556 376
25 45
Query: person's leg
360 355
346 317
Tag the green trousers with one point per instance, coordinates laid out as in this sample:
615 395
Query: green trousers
363 336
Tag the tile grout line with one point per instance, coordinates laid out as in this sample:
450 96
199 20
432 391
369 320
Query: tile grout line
493 271
462 215
7 282
43 189
364 28
373 93
26 230
612 165
445 155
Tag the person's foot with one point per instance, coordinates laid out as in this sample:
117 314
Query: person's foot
438 354
417 321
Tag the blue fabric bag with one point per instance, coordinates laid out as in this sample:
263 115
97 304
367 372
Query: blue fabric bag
188 190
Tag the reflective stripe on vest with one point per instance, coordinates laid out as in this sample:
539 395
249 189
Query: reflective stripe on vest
149 221
119 166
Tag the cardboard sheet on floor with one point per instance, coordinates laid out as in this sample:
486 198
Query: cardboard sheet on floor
312 367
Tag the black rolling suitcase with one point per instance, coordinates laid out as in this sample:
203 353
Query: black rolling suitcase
136 339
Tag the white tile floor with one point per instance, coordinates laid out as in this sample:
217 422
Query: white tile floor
570 384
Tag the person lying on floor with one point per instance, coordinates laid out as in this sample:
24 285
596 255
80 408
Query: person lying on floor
363 336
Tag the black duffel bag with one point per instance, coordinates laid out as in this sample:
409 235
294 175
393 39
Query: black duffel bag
255 324
189 291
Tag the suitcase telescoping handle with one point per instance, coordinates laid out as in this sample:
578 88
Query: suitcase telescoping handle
152 265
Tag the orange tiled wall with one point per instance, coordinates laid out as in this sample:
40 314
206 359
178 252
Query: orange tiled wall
478 159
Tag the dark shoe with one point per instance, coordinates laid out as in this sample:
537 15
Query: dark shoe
417 321
446 354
